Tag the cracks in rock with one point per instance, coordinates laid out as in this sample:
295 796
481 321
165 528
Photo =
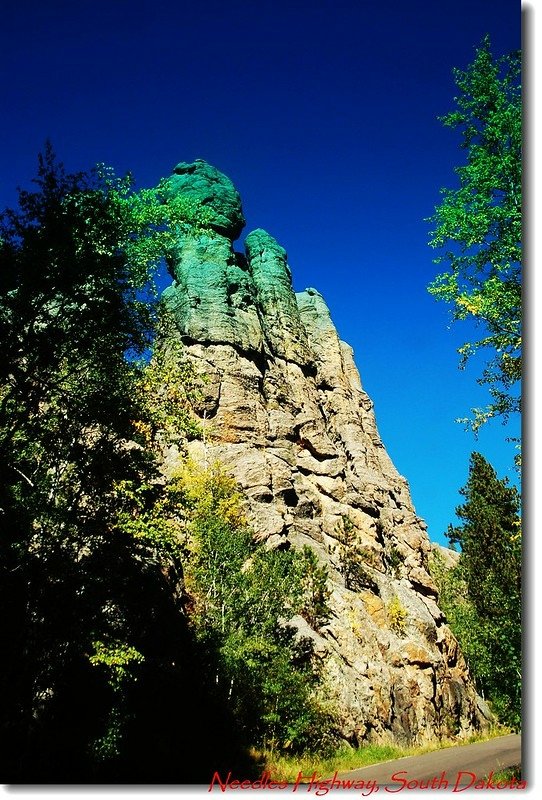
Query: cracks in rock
379 527
238 297
240 260
204 409
320 488
307 471
324 386
262 496
257 357
280 378
306 444
370 511
421 588
434 696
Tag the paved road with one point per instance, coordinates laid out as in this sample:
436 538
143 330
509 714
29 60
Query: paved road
444 769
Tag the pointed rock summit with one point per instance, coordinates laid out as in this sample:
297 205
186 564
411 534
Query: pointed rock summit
285 412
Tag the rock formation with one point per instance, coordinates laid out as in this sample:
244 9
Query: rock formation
285 412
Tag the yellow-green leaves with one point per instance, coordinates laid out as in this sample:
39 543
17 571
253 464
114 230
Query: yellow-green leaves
148 221
119 662
241 596
207 492
117 659
168 386
397 616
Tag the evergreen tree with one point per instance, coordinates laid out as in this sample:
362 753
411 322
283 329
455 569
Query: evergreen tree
490 568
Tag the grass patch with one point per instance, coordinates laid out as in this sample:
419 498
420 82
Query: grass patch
287 768
507 775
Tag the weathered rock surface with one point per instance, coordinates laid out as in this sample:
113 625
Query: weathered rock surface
449 558
205 184
285 412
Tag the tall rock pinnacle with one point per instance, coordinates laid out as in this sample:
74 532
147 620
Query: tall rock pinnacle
286 414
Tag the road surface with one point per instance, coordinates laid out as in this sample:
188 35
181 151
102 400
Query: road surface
450 768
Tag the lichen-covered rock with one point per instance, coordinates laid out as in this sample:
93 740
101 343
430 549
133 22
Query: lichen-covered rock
213 296
203 183
277 307
284 410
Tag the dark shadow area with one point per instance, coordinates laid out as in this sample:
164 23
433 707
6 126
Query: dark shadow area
173 728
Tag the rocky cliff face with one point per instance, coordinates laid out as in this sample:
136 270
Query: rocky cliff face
285 412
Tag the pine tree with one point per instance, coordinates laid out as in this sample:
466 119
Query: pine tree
490 565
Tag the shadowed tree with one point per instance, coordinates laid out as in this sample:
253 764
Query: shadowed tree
99 660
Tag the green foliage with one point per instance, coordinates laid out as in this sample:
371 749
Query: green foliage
479 224
314 588
69 314
116 658
144 513
90 556
507 775
489 535
106 639
394 560
482 595
147 222
168 387
353 558
343 759
241 598
463 620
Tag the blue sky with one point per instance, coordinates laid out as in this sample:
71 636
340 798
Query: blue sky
324 114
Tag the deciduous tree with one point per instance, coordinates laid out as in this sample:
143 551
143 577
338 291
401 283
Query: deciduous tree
479 225
87 564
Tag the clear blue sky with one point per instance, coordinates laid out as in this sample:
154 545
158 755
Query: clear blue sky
324 114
